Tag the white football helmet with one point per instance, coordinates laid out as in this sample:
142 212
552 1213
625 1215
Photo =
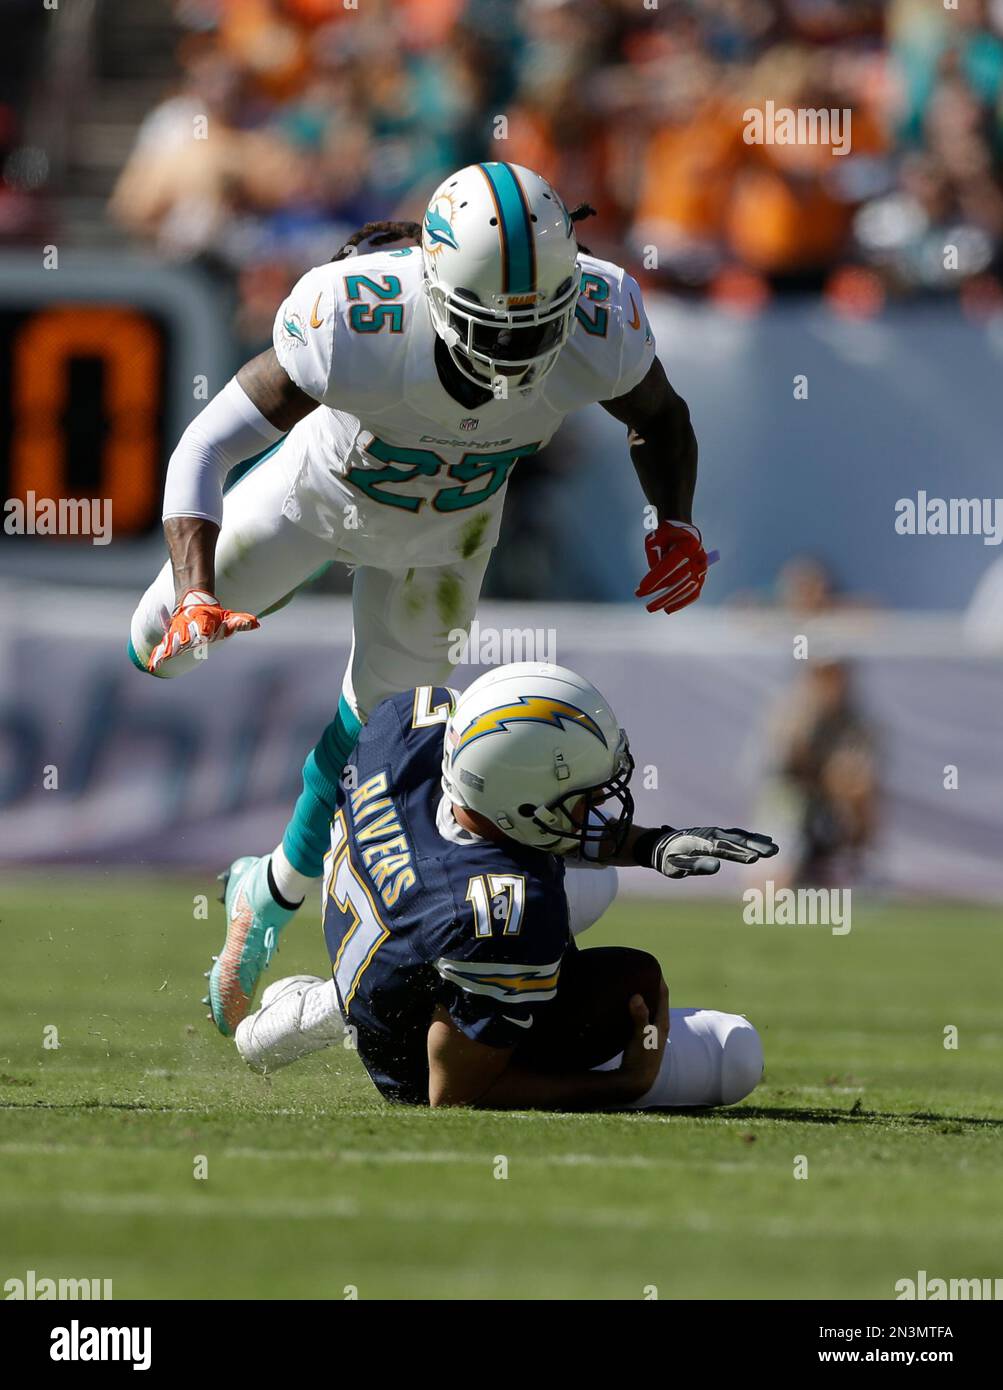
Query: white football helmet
525 744
501 272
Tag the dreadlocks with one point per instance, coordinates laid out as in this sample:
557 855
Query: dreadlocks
381 233
579 214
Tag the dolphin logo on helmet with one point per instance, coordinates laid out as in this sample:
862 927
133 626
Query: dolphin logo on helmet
439 231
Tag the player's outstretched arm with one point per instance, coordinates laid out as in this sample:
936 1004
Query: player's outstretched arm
255 409
663 447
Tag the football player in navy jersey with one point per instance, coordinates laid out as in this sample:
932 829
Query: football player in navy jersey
476 836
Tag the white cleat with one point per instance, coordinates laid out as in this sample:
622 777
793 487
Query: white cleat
297 1016
279 987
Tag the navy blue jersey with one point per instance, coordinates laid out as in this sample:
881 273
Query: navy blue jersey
413 919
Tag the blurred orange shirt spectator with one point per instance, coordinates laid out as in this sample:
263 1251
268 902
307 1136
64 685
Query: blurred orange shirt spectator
570 152
428 23
786 212
269 47
687 174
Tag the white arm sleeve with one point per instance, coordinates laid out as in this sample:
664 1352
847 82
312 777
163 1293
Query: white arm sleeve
229 430
590 890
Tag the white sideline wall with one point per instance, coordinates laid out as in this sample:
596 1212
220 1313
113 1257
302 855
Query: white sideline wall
189 772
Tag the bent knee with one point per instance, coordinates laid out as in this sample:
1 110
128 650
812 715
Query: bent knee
648 966
644 973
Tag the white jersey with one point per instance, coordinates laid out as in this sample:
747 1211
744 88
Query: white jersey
391 467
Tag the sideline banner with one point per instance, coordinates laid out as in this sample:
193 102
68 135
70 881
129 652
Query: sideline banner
101 765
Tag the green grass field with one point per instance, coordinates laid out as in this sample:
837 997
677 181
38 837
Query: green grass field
315 1184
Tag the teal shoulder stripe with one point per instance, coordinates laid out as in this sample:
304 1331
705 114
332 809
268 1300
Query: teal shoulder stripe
514 228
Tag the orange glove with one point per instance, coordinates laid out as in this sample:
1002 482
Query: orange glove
677 567
198 618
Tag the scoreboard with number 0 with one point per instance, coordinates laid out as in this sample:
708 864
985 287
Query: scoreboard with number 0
101 367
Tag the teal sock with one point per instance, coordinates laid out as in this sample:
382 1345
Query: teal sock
307 837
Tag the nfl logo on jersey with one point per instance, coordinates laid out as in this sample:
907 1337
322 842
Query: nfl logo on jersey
470 423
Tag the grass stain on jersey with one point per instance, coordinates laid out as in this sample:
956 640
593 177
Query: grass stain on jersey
414 598
449 599
472 535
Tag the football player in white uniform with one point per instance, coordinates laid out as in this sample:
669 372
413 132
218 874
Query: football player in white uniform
401 389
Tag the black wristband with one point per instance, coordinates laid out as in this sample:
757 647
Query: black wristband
644 846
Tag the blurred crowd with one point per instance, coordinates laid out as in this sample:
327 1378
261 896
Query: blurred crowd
321 116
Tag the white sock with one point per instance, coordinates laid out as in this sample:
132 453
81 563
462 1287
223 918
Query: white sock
293 885
298 1015
710 1059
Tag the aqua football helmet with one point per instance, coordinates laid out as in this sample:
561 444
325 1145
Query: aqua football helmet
501 272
